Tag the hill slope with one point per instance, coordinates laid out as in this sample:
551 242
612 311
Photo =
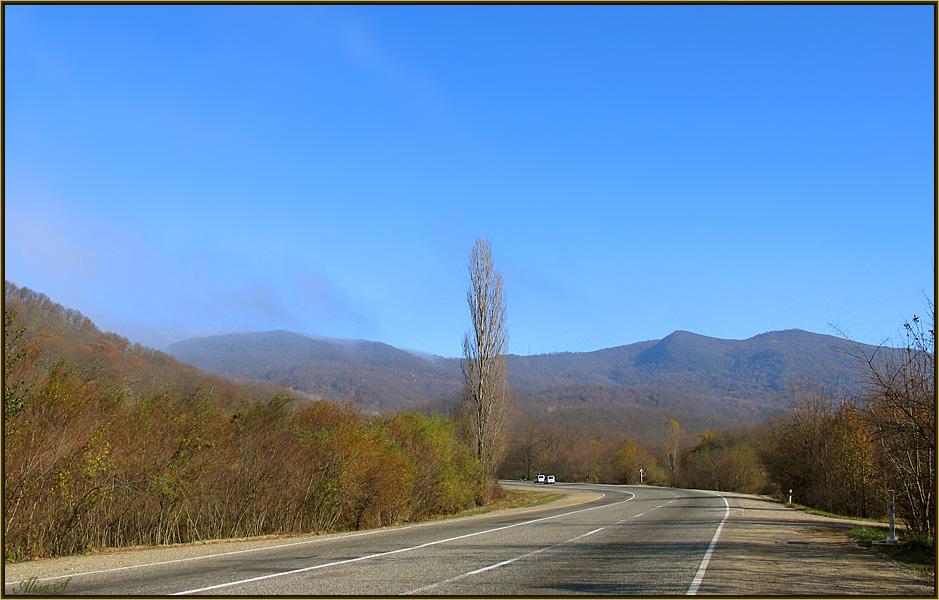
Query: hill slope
756 369
738 380
53 336
371 373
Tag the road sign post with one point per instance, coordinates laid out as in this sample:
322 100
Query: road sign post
642 474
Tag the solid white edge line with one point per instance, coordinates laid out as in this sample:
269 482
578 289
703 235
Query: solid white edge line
176 560
390 552
699 576
204 556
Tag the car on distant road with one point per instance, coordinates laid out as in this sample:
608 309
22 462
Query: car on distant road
550 479
541 479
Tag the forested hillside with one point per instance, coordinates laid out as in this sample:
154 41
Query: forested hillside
109 444
735 380
373 375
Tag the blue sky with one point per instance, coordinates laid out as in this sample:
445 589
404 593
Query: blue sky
728 170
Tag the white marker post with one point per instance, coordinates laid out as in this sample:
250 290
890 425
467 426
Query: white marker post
891 537
790 496
642 474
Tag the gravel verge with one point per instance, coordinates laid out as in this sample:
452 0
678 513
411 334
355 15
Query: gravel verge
766 548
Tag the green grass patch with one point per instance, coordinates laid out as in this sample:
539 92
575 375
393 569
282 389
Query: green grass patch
821 513
865 535
917 552
513 499
525 499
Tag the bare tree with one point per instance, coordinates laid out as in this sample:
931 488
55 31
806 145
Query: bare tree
484 368
801 455
901 401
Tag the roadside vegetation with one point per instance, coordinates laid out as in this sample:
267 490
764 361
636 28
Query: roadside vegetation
110 444
914 551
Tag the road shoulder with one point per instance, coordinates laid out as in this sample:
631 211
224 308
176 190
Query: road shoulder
769 549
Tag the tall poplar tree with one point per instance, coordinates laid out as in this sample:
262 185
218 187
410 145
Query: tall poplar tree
484 364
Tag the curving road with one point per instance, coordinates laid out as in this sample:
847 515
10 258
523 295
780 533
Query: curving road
609 540
618 540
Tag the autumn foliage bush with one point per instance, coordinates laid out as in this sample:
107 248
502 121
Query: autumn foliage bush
725 461
109 444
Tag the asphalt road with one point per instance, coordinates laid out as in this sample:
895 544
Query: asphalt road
625 540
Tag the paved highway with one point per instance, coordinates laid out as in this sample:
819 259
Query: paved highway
618 540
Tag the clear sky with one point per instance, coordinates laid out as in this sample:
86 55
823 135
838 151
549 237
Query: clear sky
728 170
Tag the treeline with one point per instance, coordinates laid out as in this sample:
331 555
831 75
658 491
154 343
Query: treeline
727 460
109 444
595 441
575 455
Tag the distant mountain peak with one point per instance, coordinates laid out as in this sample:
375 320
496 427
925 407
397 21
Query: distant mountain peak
682 335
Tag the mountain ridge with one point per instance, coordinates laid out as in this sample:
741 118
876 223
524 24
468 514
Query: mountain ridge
737 379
